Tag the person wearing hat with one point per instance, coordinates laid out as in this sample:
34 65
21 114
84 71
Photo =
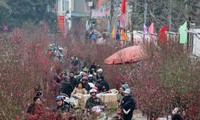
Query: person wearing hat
62 109
99 73
85 84
61 106
127 105
93 101
91 79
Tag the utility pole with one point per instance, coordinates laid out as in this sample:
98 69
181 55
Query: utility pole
170 15
111 13
145 12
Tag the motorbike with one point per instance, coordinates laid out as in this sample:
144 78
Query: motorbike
97 113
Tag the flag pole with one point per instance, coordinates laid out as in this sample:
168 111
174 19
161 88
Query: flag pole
145 17
170 15
145 12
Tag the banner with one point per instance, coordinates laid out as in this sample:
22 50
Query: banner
183 33
98 14
196 42
61 23
122 19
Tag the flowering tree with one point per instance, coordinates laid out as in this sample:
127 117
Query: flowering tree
166 79
24 65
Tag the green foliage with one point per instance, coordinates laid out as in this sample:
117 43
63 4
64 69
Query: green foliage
158 12
17 12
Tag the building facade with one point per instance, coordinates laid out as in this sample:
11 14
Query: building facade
70 9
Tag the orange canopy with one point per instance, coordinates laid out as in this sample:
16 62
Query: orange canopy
126 55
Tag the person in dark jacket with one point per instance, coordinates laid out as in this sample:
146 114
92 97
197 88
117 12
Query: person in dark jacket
128 105
91 79
104 85
62 109
84 81
176 117
93 67
72 79
61 105
66 87
176 114
93 101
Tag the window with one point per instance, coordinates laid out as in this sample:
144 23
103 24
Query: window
65 5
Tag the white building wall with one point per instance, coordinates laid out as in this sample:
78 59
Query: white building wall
196 42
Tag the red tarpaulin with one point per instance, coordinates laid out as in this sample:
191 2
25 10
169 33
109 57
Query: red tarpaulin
126 55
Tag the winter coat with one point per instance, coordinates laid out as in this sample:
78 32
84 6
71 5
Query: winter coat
63 108
93 66
81 91
104 86
176 117
73 82
87 87
92 80
91 102
128 103
66 88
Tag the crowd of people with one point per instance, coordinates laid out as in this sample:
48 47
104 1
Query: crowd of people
65 85
82 81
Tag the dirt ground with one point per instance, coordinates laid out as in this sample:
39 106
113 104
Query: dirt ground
137 115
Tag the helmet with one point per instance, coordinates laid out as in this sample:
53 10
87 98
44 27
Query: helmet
60 49
93 90
127 91
84 78
90 75
100 70
58 98
85 75
81 73
175 111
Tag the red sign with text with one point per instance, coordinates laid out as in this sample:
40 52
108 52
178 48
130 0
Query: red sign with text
61 23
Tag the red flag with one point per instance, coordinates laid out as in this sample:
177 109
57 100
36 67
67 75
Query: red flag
123 6
151 31
162 37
